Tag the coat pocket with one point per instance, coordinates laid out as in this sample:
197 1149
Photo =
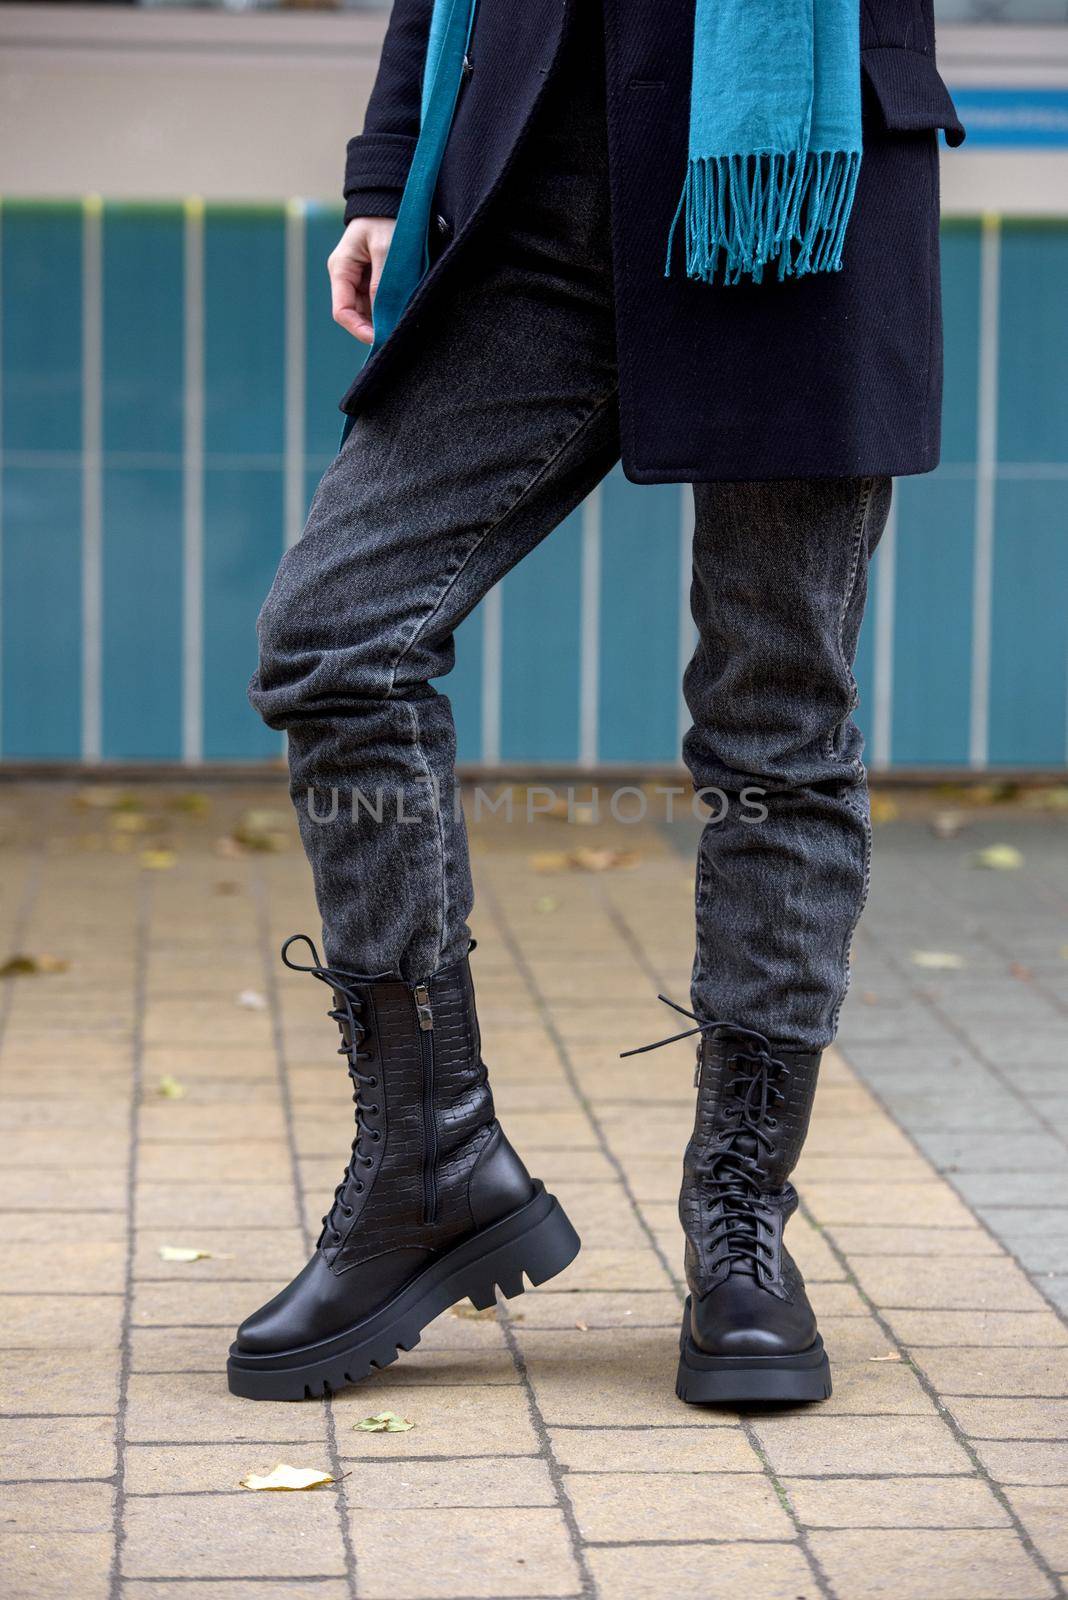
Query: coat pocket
904 93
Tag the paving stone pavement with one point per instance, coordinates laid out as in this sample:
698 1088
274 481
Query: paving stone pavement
549 1455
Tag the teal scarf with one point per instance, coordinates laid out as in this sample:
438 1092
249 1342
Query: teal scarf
774 137
774 142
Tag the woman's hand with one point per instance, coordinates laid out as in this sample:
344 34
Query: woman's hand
355 266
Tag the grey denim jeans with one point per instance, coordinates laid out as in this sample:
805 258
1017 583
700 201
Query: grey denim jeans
504 422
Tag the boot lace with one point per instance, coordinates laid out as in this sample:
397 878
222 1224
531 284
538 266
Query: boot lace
729 1170
354 1030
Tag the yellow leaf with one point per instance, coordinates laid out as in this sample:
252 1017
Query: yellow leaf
158 860
883 809
938 960
102 797
286 1477
384 1422
193 804
891 1355
262 830
999 857
546 903
176 1252
170 1088
26 966
129 822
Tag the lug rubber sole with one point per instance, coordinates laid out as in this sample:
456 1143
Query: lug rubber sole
534 1243
747 1380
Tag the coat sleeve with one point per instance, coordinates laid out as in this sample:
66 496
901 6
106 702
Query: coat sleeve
378 159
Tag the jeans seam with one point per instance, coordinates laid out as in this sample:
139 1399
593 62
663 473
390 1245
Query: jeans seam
859 530
436 805
491 527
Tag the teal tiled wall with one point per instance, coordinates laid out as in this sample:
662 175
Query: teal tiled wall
168 382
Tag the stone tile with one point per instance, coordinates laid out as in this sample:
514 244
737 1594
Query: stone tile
979 1564
220 1304
45 1565
941 1242
670 1506
220 1205
986 1152
879 1502
62 1381
77 1507
866 1387
36 1448
50 1189
463 1420
478 1481
1037 1463
236 1253
60 1322
200 1409
1042 1512
479 1365
715 1572
920 1283
597 1379
841 1446
82 1265
598 1308
982 1371
231 1589
1011 1419
931 1204
600 1267
1016 1329
448 1552
240 1534
644 1450
247 1161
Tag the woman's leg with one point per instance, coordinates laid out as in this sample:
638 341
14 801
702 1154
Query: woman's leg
504 423
780 579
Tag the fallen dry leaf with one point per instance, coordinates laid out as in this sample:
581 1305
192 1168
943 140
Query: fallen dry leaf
471 1313
170 1088
286 1477
384 1422
129 822
583 1327
158 860
178 1252
584 859
891 1355
883 809
193 804
262 830
938 960
999 858
252 1000
947 824
26 966
102 797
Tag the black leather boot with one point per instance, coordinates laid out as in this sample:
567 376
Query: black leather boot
748 1332
433 1206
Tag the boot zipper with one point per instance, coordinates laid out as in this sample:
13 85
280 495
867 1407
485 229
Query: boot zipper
430 1130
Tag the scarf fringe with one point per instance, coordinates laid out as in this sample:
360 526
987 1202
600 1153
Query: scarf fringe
743 212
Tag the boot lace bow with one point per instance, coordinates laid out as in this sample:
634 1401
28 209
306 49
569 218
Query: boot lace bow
346 1012
729 1168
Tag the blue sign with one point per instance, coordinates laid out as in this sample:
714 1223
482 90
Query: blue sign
1014 117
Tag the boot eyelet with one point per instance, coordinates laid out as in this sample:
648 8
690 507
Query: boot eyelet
771 1122
372 1111
373 1083
375 1135
346 1211
359 1188
336 1234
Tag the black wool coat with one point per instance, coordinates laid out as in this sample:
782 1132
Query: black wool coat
829 375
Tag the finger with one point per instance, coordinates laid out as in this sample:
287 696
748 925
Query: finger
350 301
